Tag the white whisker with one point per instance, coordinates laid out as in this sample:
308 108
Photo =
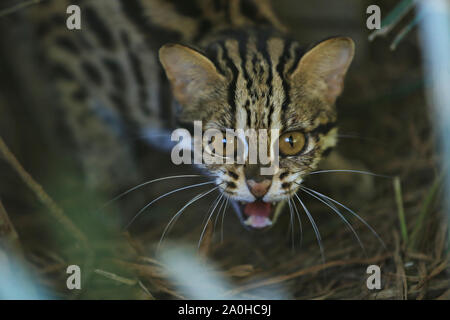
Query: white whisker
223 219
292 225
163 196
350 171
339 214
209 218
196 198
316 230
299 223
219 211
351 211
211 206
149 182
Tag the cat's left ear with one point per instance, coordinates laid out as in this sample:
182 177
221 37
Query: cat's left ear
191 74
322 69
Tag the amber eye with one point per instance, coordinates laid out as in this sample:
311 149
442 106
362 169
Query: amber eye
292 143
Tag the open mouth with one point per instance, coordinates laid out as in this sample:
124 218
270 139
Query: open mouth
258 214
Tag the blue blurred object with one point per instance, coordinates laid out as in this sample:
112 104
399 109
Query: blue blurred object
15 282
435 37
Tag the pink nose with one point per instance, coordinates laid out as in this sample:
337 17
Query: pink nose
259 189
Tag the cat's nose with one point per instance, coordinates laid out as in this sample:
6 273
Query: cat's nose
260 188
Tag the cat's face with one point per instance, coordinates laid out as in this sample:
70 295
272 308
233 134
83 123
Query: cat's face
270 84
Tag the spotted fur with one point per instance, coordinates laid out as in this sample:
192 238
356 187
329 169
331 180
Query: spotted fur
249 79
251 74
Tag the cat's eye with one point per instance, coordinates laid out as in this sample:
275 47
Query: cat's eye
219 147
292 143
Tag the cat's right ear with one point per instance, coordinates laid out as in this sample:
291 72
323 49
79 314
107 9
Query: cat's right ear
321 71
191 74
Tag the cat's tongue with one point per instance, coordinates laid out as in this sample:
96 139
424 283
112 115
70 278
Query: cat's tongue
258 213
257 208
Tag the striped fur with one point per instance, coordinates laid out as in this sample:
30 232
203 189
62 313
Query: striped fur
112 88
260 90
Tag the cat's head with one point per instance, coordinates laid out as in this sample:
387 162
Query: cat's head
263 83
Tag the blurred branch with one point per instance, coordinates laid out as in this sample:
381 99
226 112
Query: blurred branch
115 277
391 21
393 18
401 35
54 209
18 7
13 280
8 232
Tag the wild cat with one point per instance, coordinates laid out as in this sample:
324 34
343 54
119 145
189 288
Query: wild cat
142 67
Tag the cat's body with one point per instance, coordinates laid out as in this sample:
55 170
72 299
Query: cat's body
111 88
234 69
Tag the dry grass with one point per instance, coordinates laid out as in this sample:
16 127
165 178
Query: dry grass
384 103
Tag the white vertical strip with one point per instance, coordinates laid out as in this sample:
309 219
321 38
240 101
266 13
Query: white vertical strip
435 38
